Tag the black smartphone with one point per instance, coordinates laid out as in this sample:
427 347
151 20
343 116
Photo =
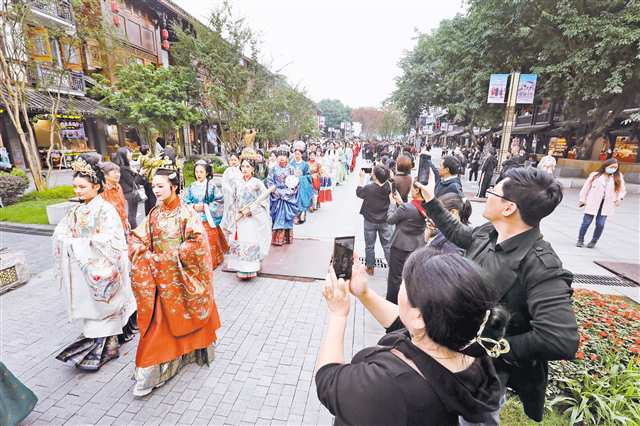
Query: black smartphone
367 169
343 256
424 166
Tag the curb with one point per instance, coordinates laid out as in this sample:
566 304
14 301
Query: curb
23 228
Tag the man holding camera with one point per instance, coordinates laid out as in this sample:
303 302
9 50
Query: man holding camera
526 274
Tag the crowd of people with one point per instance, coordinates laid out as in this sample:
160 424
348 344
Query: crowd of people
469 312
155 277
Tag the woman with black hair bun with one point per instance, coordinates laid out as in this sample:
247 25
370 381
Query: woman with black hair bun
172 279
434 366
90 252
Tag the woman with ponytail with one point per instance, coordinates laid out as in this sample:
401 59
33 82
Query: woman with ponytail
434 366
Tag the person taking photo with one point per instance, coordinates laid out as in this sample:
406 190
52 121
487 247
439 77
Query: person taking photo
435 367
526 275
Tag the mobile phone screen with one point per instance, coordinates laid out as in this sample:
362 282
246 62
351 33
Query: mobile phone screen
423 168
343 256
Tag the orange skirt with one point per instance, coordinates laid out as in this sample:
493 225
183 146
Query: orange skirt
158 345
218 244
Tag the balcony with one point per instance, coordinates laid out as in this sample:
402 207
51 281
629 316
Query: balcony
542 117
58 80
524 120
53 11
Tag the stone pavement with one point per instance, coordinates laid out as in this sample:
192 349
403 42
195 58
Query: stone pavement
265 354
262 374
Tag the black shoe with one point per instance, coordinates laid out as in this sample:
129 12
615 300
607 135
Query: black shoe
592 244
579 244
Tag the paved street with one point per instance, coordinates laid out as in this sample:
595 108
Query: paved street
271 331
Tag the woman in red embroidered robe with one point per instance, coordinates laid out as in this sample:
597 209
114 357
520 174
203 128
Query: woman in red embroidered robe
172 282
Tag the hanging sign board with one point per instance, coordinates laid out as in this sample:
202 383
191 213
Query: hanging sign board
497 88
526 88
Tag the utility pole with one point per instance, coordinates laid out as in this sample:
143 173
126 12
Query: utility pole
509 115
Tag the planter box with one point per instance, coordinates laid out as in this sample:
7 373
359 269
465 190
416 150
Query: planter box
55 212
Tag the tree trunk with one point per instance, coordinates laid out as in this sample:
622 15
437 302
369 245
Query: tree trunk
586 153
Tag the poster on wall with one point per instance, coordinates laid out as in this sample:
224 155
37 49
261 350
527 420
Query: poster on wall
526 88
497 88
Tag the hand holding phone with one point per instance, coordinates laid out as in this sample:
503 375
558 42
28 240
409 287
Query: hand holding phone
424 167
343 256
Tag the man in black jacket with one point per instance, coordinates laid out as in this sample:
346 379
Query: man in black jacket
527 277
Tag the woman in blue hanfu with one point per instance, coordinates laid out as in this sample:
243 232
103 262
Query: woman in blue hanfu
284 198
305 190
207 200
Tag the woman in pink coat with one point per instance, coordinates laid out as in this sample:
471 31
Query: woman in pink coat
601 194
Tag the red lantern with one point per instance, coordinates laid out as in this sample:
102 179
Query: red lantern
165 44
116 20
115 8
164 33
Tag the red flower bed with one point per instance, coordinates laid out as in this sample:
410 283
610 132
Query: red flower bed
607 324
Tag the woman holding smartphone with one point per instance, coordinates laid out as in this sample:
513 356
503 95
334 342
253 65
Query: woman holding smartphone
436 368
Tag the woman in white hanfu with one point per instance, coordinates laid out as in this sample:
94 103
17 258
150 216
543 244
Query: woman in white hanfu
230 177
251 230
92 260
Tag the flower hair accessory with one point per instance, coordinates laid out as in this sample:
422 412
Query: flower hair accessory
499 347
84 168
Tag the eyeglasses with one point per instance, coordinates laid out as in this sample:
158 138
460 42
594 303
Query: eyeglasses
490 191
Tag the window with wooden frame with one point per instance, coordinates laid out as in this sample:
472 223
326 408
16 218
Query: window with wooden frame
93 55
71 57
39 45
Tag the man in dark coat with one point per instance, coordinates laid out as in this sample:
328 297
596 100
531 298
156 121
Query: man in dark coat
486 172
526 274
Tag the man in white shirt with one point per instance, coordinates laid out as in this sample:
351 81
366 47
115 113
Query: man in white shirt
548 163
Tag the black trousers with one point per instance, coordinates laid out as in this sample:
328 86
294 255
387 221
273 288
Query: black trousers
473 172
397 258
486 182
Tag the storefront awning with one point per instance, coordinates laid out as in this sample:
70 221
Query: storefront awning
526 130
39 102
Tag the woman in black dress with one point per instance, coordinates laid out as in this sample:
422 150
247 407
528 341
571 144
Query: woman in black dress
434 370
129 180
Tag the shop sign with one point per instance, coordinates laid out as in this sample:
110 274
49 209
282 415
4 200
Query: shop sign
58 116
497 88
526 88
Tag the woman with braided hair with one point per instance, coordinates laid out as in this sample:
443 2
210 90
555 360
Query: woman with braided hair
90 252
206 199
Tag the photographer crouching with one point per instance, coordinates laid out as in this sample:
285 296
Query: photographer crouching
436 367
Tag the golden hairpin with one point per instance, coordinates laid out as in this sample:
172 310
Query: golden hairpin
82 167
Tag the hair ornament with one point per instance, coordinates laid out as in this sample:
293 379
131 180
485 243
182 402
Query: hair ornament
81 166
499 347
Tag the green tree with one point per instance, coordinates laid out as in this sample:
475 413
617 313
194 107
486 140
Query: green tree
585 52
149 99
393 123
227 78
334 112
